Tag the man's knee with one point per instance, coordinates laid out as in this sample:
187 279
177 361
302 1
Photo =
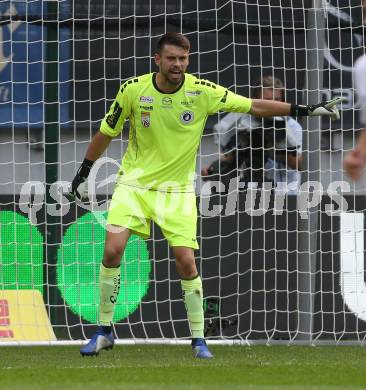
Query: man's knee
112 255
187 266
114 247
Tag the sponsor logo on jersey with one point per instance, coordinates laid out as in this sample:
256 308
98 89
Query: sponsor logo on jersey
193 93
147 108
167 101
187 103
145 119
146 99
113 118
186 117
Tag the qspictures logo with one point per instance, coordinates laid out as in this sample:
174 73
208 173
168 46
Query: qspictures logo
256 201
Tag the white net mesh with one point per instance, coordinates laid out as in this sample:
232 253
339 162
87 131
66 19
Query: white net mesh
273 266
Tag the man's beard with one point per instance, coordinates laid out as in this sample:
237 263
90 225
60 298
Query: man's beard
173 81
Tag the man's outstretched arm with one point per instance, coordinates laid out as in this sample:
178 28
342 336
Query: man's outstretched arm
268 108
96 148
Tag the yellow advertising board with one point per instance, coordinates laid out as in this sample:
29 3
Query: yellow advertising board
23 317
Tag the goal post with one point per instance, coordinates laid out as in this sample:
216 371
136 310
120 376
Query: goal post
308 237
276 267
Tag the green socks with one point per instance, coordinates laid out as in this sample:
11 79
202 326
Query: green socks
109 282
193 300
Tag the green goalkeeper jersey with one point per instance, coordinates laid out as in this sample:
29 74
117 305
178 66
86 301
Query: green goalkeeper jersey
165 128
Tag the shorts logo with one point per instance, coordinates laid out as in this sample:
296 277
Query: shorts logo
167 101
146 99
186 117
145 119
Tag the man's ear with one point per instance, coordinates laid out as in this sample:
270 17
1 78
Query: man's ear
157 59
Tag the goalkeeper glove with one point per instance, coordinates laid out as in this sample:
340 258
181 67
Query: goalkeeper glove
326 108
79 186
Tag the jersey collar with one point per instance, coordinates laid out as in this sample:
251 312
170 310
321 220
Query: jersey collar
166 93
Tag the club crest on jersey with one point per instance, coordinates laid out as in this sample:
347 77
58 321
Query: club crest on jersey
145 119
186 117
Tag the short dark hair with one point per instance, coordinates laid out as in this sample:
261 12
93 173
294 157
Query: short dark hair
268 82
173 38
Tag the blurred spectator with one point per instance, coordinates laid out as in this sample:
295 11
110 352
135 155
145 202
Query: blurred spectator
355 161
259 150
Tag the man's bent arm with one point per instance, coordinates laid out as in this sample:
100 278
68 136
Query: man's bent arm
97 146
294 161
361 144
355 160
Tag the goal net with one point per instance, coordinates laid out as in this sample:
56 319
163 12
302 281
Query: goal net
280 227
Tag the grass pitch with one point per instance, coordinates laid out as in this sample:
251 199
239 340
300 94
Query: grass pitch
168 367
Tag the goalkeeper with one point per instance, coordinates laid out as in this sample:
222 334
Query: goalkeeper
167 111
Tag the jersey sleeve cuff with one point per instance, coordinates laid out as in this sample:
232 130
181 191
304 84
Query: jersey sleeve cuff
106 130
249 106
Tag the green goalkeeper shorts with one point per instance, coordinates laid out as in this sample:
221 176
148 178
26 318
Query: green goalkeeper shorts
175 213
